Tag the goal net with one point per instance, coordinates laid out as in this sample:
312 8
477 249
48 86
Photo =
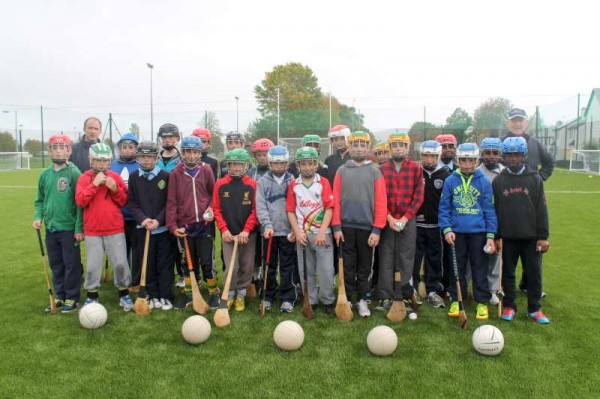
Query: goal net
585 161
293 143
14 160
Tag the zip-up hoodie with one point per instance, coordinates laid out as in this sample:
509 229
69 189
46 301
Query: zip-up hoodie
173 162
359 196
101 209
427 216
271 203
189 196
521 206
55 201
466 205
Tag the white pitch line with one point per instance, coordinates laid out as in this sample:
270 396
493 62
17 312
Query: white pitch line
572 192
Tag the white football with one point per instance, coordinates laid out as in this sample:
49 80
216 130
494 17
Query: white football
92 316
488 340
382 341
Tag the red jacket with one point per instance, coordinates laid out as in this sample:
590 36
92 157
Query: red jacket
101 209
189 197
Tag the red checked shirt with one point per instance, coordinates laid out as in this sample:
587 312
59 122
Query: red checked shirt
405 188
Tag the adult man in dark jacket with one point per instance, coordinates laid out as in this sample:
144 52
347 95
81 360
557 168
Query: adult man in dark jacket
92 128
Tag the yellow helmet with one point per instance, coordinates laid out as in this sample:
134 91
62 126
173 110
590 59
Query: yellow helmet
359 136
399 138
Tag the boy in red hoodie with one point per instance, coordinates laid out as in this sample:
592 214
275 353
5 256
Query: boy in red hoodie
102 193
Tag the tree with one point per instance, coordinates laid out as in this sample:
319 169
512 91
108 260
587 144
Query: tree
490 118
303 107
211 122
7 142
33 146
135 129
459 121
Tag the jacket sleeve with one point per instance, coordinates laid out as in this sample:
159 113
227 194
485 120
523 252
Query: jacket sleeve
161 217
86 190
445 207
381 209
262 209
336 220
133 202
251 221
489 213
543 224
120 196
497 199
290 203
38 203
419 193
547 161
171 208
221 224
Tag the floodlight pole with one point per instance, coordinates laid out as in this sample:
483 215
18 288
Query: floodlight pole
237 114
151 67
278 116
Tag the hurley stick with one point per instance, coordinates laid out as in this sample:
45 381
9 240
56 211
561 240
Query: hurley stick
221 318
342 308
462 315
198 304
140 306
45 263
306 308
265 274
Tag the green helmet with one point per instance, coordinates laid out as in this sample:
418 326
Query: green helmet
237 155
100 151
310 138
307 154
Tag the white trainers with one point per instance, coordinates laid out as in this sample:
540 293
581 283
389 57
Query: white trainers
181 282
494 300
155 304
435 300
165 304
363 308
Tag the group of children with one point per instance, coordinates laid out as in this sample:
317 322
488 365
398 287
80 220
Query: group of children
296 218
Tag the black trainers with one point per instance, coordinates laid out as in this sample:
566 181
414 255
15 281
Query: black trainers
57 302
184 302
213 300
330 309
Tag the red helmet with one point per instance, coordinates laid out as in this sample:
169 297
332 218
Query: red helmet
261 145
339 131
446 139
59 139
202 133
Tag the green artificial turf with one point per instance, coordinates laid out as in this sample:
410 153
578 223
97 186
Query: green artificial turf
132 356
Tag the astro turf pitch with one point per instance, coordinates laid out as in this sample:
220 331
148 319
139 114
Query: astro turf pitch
52 356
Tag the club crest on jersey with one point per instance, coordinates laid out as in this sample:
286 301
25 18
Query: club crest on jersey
162 184
246 198
226 194
62 184
438 183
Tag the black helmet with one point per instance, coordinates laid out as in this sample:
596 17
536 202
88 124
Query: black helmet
168 130
147 148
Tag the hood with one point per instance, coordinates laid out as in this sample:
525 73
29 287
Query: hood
351 164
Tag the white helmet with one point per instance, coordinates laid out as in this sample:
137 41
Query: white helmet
467 150
339 131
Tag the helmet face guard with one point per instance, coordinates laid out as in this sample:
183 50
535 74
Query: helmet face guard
339 135
238 162
430 154
59 148
491 152
100 157
514 150
467 154
147 155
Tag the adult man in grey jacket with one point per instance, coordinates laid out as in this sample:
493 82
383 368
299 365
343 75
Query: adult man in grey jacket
92 128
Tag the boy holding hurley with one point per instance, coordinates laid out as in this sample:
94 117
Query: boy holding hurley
55 205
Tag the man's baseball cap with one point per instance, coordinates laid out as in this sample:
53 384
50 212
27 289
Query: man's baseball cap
517 113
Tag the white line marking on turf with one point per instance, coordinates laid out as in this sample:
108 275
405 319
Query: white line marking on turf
572 192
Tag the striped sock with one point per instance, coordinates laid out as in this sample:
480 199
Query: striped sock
188 285
212 285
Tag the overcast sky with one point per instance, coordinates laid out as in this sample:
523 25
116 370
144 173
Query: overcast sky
389 59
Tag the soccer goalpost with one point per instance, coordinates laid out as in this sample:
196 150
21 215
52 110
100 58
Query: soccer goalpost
14 160
585 161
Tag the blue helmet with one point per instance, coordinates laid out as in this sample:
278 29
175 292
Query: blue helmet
491 143
512 145
128 137
191 143
278 153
